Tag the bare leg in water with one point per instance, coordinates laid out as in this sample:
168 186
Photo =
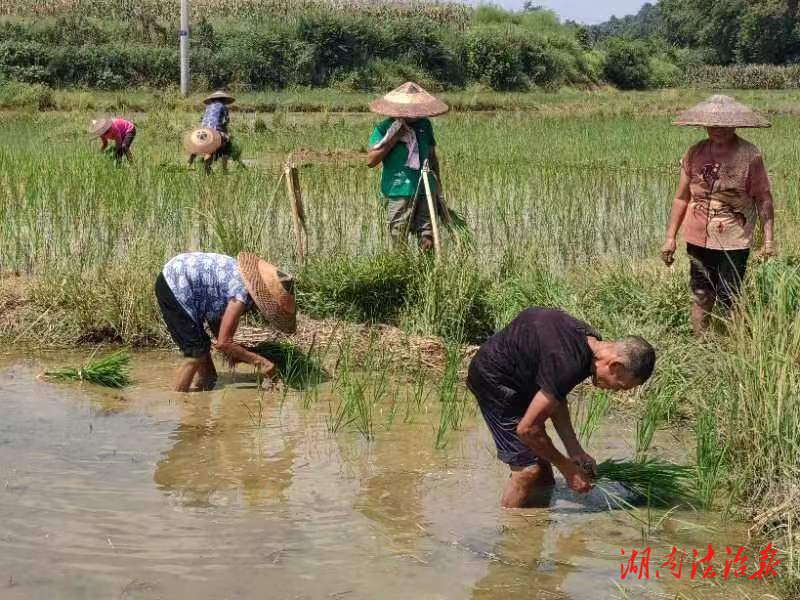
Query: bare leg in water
529 486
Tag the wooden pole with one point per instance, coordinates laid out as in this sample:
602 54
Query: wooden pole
298 214
437 246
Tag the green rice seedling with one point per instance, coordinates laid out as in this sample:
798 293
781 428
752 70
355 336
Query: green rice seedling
110 371
451 401
592 414
298 369
656 482
711 453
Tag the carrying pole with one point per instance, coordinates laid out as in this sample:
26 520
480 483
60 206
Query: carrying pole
426 171
186 83
298 214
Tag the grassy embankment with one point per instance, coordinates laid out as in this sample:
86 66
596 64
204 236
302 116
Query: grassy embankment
567 207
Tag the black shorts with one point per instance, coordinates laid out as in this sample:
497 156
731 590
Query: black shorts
190 337
502 417
125 146
717 274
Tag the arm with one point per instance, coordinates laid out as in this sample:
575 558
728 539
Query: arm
375 156
563 424
766 214
233 351
677 214
532 431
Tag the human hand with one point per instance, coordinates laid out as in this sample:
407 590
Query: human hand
266 368
668 251
585 463
577 479
768 250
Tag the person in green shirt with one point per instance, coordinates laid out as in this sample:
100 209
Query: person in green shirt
402 143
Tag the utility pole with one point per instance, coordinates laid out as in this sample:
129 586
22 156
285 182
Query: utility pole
186 83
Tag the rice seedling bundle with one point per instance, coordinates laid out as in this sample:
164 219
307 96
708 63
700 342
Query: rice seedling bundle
298 370
110 371
657 482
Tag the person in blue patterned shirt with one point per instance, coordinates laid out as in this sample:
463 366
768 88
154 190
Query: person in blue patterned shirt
217 117
200 288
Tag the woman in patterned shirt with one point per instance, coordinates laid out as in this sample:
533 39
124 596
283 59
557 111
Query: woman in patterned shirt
724 189
200 288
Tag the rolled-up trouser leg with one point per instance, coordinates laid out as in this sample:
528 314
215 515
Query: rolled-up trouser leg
407 216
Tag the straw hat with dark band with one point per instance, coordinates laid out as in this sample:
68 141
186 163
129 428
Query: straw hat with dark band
271 290
721 111
98 127
202 141
219 96
409 101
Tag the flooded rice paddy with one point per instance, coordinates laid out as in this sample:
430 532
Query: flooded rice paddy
144 494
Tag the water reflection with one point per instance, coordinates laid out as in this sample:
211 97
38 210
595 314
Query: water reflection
226 450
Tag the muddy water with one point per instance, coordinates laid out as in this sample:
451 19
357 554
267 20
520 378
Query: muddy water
145 494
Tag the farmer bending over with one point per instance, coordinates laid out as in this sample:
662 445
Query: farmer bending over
403 143
199 288
217 117
723 185
122 133
521 377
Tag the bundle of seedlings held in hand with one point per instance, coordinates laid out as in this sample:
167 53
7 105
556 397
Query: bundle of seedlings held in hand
654 482
110 371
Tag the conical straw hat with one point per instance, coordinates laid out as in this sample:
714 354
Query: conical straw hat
409 101
98 127
721 111
271 290
224 97
202 141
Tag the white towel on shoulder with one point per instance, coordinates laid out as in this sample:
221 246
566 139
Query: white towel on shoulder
409 138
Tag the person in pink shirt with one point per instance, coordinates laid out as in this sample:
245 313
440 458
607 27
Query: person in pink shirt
121 131
723 192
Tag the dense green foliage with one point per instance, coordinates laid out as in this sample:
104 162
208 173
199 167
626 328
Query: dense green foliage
721 32
346 48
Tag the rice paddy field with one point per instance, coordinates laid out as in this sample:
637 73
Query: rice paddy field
565 201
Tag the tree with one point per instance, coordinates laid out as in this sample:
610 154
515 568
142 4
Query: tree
627 64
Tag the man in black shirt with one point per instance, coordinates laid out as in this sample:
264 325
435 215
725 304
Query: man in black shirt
521 377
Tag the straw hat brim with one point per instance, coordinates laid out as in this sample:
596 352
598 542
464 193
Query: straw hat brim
271 291
430 108
721 111
99 127
409 101
202 141
223 97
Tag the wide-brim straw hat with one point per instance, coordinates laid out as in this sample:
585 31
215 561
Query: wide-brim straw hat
98 127
409 101
219 96
202 141
721 111
271 290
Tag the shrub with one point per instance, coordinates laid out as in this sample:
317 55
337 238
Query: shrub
627 64
14 94
664 74
494 59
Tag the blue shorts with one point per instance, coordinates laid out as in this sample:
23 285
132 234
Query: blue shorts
502 421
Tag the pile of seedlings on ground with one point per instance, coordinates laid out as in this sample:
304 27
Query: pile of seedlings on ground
110 371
